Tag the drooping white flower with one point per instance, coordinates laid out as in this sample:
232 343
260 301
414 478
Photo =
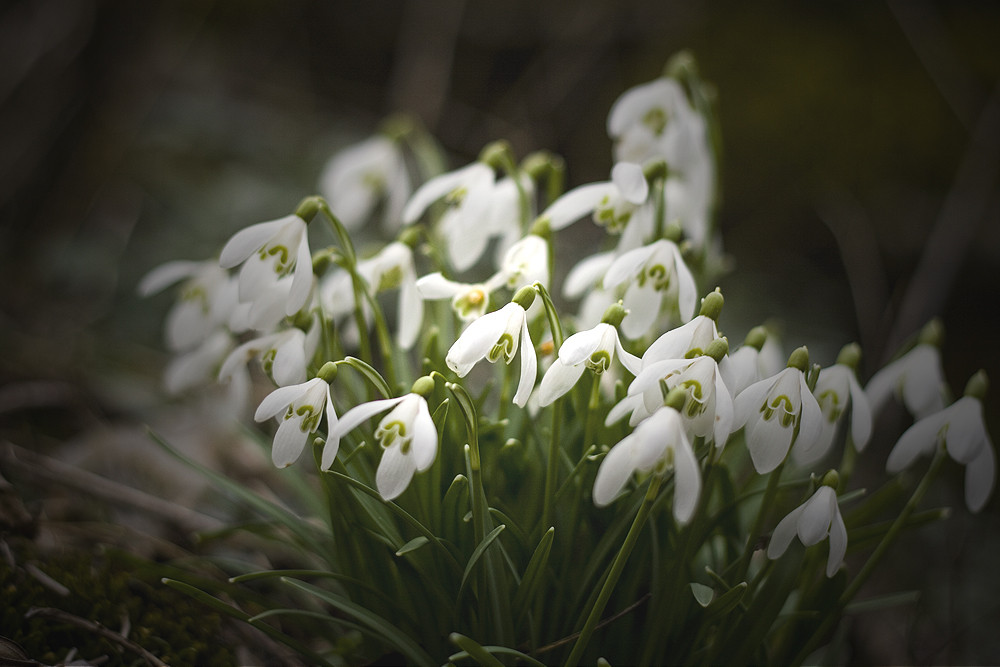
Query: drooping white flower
478 209
360 176
611 203
962 429
837 392
917 377
392 268
658 280
525 263
407 434
650 121
691 339
495 336
299 409
594 349
778 412
658 443
207 299
814 520
269 252
708 410
283 355
197 366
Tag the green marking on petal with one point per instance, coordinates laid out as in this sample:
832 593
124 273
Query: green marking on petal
504 347
599 361
656 120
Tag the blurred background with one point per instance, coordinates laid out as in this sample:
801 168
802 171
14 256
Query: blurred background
859 190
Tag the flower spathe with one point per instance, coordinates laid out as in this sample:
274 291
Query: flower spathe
495 336
814 520
657 443
270 251
407 435
299 409
962 429
594 349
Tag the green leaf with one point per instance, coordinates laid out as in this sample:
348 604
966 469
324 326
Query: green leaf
412 545
702 594
376 625
728 601
474 650
477 553
370 374
880 602
499 650
533 574
553 315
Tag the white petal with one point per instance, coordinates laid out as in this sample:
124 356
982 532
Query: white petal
687 481
436 286
289 441
586 273
302 281
615 470
625 406
289 365
358 414
394 473
783 533
628 265
277 401
631 362
838 544
332 445
979 477
643 305
435 189
674 344
811 422
861 414
577 203
630 181
966 433
919 439
411 313
558 379
636 102
167 274
687 291
246 241
529 367
724 412
476 341
577 348
747 404
922 381
768 442
425 437
187 324
817 513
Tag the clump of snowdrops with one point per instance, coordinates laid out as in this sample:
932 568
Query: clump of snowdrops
484 477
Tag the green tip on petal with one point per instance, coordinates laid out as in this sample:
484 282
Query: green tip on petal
655 170
799 359
978 385
932 333
497 154
756 338
308 208
524 297
423 386
711 305
850 355
718 348
676 398
327 372
614 314
831 479
410 236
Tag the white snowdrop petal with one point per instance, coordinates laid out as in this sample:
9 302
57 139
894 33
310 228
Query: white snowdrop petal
861 414
838 544
165 275
817 513
586 273
246 241
630 181
966 430
302 280
394 473
687 482
529 367
980 475
277 401
360 413
332 444
577 203
425 437
919 439
577 348
643 305
436 286
289 441
768 442
411 313
616 468
783 534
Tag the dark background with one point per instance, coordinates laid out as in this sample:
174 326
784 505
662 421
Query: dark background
860 187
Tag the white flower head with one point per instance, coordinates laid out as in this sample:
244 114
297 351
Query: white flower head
837 392
962 429
269 252
525 263
813 521
594 349
392 268
778 412
611 203
407 434
283 355
916 377
495 336
299 409
657 278
207 299
360 176
658 443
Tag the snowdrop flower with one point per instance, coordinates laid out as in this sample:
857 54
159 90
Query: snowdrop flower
393 267
814 520
299 408
206 302
611 203
358 177
594 349
477 210
659 444
759 357
269 252
525 263
407 435
657 276
778 412
708 408
962 429
916 377
688 340
468 300
283 355
837 391
496 336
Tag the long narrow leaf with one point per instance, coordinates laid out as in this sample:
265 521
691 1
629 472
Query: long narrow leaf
477 553
474 650
534 573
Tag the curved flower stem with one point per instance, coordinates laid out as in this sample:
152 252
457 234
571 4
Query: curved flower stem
833 614
616 570
758 524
